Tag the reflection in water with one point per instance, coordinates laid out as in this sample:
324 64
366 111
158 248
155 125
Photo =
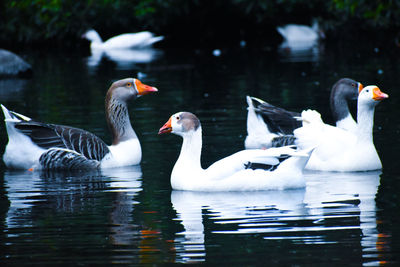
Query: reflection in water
124 58
345 192
42 197
12 89
70 219
331 202
300 52
126 182
247 210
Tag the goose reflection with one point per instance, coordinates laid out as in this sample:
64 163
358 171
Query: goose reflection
68 195
12 89
341 195
125 59
300 52
331 202
250 211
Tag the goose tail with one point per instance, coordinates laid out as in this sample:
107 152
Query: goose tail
155 39
11 116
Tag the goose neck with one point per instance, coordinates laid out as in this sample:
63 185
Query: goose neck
190 154
118 121
339 107
365 121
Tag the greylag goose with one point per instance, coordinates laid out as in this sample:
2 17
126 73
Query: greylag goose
34 144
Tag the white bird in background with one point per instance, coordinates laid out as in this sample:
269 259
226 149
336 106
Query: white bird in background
125 50
246 170
123 41
295 35
338 149
34 144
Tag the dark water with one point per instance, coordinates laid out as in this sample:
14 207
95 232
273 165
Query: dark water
131 215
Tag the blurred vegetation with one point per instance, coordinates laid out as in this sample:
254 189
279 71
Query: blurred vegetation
188 22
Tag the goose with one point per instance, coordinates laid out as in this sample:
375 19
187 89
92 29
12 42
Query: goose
338 149
268 125
246 170
13 65
123 41
38 145
300 35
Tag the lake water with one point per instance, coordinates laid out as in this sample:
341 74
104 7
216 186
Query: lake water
131 215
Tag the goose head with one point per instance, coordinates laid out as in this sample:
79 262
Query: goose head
181 123
92 36
371 95
347 88
127 89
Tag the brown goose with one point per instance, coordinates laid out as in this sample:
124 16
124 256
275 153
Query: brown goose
34 144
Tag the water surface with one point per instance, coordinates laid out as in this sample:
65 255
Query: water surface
131 215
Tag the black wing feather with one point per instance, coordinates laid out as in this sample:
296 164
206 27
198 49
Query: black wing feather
277 119
61 159
267 167
58 136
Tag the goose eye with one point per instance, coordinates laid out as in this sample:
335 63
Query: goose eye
128 84
353 84
177 118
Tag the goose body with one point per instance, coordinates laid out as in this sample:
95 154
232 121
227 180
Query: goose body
13 65
34 144
339 149
123 41
269 126
297 34
280 168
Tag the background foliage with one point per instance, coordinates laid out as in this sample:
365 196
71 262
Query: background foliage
188 22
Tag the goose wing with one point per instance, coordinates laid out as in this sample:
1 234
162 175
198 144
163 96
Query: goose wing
268 159
138 39
278 120
61 159
50 136
328 141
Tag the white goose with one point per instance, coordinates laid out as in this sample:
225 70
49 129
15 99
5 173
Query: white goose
338 149
275 168
295 35
269 126
39 145
123 41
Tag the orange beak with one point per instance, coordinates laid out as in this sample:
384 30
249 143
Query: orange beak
378 95
144 89
167 128
360 87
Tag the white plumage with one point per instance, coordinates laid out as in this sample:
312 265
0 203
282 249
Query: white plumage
299 36
338 149
123 41
268 125
281 167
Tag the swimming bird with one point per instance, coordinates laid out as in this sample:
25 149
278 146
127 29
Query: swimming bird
246 170
34 144
300 35
13 65
123 41
338 149
268 125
